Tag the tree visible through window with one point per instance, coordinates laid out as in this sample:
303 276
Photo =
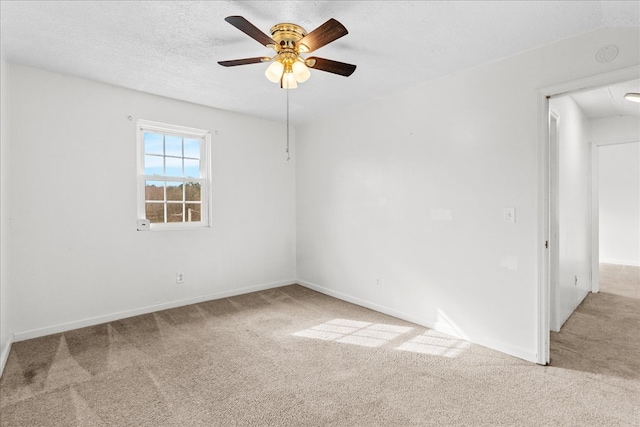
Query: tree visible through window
173 178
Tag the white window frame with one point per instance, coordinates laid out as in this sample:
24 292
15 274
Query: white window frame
205 172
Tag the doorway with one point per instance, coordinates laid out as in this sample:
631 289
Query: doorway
552 270
617 196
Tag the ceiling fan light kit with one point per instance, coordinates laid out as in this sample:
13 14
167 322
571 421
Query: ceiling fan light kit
290 41
635 97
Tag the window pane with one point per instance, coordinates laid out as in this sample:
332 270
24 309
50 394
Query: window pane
152 143
174 191
154 190
173 146
153 165
193 212
192 148
154 212
192 192
174 166
174 212
192 168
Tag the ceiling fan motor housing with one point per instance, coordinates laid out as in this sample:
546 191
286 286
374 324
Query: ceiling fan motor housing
287 37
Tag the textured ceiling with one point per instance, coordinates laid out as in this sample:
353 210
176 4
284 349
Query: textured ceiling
609 101
172 48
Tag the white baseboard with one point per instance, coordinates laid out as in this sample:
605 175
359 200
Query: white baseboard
4 354
439 326
370 305
429 323
620 262
55 329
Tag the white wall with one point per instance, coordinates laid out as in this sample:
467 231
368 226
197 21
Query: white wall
619 197
574 210
5 321
614 129
619 191
76 256
400 201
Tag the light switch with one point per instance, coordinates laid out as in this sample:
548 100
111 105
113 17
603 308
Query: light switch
509 215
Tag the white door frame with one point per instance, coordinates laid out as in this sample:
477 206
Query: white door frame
544 214
553 219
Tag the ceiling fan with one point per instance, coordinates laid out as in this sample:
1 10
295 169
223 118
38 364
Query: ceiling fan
290 41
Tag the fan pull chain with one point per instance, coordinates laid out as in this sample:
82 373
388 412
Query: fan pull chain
288 157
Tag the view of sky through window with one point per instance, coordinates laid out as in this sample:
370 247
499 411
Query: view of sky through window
170 155
173 178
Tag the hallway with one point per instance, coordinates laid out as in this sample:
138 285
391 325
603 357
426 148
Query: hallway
603 335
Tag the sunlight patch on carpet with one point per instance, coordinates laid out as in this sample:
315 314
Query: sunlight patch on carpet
435 344
355 332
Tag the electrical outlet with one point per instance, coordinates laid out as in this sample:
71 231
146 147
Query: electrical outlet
179 278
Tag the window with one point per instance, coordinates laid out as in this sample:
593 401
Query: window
173 175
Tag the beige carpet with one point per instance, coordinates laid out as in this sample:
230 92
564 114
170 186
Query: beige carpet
294 357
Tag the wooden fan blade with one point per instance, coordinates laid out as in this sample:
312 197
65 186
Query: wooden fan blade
330 66
324 34
245 61
249 29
